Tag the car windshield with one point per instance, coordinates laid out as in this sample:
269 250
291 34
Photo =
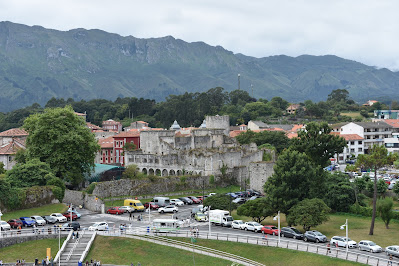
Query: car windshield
28 219
39 218
372 244
200 214
4 222
229 218
139 204
318 233
273 227
348 239
58 214
295 230
256 224
193 197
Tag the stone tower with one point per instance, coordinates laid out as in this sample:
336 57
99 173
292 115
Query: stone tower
219 122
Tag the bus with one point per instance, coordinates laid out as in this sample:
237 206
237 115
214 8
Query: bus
166 225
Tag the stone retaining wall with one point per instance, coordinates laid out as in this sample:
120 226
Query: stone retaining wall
90 202
9 241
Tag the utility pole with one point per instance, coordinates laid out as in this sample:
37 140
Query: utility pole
239 81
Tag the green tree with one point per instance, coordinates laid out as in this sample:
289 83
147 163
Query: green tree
220 201
2 170
57 182
131 171
129 146
381 187
277 139
384 209
61 139
340 193
396 188
338 95
364 113
378 157
295 178
317 142
31 173
308 213
257 209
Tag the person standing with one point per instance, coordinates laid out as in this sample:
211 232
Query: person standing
390 260
130 216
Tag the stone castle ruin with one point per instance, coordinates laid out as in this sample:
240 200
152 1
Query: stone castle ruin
203 151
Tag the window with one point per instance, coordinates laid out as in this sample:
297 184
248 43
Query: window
360 149
360 142
106 153
385 136
352 143
352 150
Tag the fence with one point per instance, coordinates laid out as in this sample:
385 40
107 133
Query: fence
34 231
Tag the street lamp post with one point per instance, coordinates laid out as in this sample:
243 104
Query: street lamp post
239 81
1 214
346 227
278 218
209 219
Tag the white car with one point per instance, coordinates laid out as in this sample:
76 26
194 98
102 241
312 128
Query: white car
176 202
237 224
127 209
253 226
392 250
211 194
169 208
369 246
341 242
4 226
39 220
60 218
99 226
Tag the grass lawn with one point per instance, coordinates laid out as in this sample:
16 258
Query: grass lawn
123 251
351 114
197 192
269 255
358 228
43 210
30 250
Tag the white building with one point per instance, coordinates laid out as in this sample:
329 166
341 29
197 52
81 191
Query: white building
355 146
392 144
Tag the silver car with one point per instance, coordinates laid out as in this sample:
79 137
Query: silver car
237 224
392 250
39 220
369 246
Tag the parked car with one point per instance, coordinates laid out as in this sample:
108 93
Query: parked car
270 230
4 226
195 210
99 226
186 200
126 209
39 220
369 246
340 241
170 208
392 250
152 205
27 221
14 223
200 217
194 199
253 226
75 226
291 232
314 236
254 197
237 224
231 194
75 212
49 219
211 194
239 200
176 202
202 198
70 215
60 218
115 210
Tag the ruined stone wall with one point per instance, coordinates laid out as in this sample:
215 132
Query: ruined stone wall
218 122
259 172
78 198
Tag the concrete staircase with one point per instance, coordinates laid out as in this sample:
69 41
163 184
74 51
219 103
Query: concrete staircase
75 248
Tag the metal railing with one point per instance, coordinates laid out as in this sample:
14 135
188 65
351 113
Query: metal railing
73 249
34 232
88 246
58 256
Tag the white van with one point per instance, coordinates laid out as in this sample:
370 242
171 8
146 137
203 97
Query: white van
161 201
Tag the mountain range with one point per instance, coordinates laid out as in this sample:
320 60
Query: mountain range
37 64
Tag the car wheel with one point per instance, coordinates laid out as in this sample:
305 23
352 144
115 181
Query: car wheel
245 229
360 248
162 211
274 234
387 253
305 239
294 237
282 234
317 240
371 251
25 225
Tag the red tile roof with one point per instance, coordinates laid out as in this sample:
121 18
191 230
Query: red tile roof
347 137
13 132
292 135
392 122
92 126
127 134
106 143
12 147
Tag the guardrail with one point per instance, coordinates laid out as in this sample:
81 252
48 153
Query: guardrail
57 257
284 243
82 258
34 231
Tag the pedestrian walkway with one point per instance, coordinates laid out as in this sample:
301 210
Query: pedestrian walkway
75 248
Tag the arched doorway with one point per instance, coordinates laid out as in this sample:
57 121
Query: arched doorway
164 172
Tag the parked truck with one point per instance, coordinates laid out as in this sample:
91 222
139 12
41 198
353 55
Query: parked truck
220 217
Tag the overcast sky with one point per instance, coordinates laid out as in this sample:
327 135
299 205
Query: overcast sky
363 30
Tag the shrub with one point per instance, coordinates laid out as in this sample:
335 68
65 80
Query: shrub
211 179
58 193
91 188
55 181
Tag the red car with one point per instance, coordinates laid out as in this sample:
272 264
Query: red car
270 230
68 216
152 205
14 223
201 198
194 199
115 210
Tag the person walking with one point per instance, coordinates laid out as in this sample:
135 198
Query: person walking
328 247
130 216
390 260
77 234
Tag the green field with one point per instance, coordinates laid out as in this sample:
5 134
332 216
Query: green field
123 251
358 228
30 250
126 250
197 192
43 210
